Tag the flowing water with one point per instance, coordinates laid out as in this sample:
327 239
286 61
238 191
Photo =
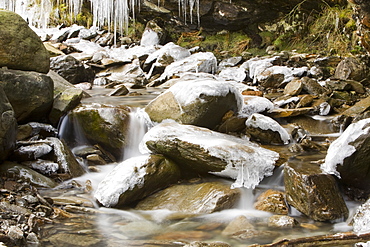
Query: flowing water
99 226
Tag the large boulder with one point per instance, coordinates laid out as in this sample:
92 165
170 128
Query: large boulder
8 126
29 93
135 179
201 102
104 125
217 195
205 151
313 193
20 47
348 156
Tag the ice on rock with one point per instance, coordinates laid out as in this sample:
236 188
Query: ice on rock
170 49
198 62
247 162
149 38
121 179
266 123
233 74
361 219
341 148
255 104
190 91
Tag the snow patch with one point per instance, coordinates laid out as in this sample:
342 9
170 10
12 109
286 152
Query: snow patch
341 147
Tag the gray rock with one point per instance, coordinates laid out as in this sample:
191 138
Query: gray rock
311 86
218 196
351 68
294 87
29 93
201 102
136 178
8 126
20 47
71 69
313 193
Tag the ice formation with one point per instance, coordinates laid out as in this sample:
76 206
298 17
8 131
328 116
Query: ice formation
125 176
255 104
188 91
341 147
246 162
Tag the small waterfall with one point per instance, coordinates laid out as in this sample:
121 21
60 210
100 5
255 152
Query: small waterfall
139 123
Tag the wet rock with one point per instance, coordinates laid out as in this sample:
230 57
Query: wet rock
201 102
71 69
20 47
294 87
35 130
184 235
338 85
240 223
136 178
266 130
311 86
220 154
351 68
101 124
69 239
305 100
347 156
218 196
25 173
204 244
8 126
272 201
29 93
313 193
283 113
282 221
119 91
72 200
45 167
358 108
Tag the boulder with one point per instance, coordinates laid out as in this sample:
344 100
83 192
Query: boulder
71 69
104 125
8 126
313 193
205 151
348 158
311 86
352 68
217 195
358 108
266 130
20 47
255 104
29 93
201 102
135 179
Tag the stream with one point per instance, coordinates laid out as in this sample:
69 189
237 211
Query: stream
92 225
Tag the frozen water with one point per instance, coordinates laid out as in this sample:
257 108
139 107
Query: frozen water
266 123
246 162
255 104
341 147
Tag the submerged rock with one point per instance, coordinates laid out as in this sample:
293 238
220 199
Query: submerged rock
205 198
348 158
201 102
205 151
313 193
136 178
20 47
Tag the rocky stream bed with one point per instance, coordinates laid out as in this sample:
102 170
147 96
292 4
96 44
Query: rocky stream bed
153 144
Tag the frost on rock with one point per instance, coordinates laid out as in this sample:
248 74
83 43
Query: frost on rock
233 74
125 176
266 123
198 62
255 104
172 50
341 147
189 91
246 162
